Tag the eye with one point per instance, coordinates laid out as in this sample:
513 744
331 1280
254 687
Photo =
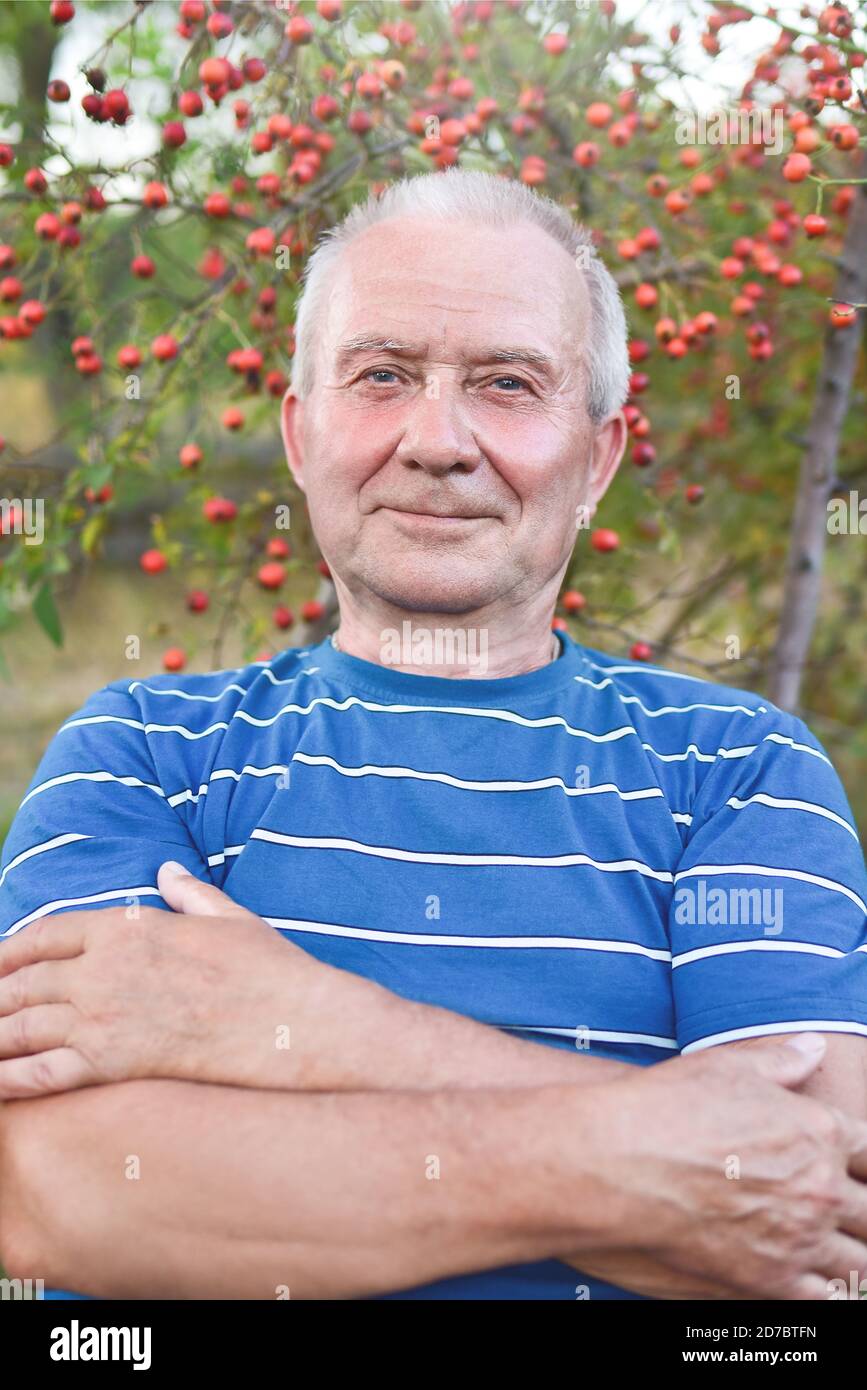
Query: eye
378 371
515 381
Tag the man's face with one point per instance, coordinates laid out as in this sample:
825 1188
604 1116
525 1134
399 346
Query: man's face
439 478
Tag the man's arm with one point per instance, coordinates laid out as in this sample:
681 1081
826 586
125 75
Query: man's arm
171 1189
211 993
840 1081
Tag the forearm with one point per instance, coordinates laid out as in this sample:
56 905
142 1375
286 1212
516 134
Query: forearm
348 1033
241 1191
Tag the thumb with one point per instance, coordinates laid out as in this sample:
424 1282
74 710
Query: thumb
788 1060
185 893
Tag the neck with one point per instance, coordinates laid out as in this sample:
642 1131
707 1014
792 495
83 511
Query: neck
442 644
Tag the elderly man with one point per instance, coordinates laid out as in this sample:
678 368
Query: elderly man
454 884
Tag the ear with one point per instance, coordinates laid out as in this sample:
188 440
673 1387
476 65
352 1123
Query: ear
608 446
291 428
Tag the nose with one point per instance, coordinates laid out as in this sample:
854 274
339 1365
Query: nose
437 436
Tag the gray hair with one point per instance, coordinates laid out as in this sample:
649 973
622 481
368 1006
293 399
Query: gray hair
477 196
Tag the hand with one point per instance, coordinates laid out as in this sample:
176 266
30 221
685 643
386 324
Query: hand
728 1185
209 992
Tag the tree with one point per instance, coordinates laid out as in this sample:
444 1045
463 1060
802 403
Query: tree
155 286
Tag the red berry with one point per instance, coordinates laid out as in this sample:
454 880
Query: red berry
197 600
283 616
174 135
271 575
190 104
312 610
47 226
142 267
278 549
815 225
32 311
598 114
155 195
57 90
220 25
797 167
261 241
153 561
254 69
35 181
233 418
62 11
88 364
573 601
214 72
587 154
218 509
105 494
7 156
842 315
646 296
217 205
190 456
129 356
694 493
174 659
164 347
11 289
604 539
115 104
555 44
640 651
299 30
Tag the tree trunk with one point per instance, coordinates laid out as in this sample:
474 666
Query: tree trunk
818 474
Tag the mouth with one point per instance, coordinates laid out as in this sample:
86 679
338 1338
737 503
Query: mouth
435 518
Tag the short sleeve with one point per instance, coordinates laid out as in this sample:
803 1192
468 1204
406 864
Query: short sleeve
768 918
94 825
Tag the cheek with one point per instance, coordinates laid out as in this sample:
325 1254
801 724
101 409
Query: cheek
351 447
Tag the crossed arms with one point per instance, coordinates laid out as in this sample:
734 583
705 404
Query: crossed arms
198 1159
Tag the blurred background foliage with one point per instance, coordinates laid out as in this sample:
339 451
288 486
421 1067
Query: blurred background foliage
703 519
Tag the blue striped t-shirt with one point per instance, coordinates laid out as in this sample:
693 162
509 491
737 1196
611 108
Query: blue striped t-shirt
596 854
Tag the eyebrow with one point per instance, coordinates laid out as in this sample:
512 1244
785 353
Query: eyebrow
363 343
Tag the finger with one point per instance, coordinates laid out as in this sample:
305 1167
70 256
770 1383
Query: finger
186 893
811 1288
47 982
853 1216
46 1073
51 938
37 1029
840 1257
855 1145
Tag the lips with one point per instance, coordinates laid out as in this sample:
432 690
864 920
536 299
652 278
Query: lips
440 516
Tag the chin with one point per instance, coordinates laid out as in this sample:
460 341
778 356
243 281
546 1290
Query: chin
429 598
420 588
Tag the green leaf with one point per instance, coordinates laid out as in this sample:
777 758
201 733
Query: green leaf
47 615
92 532
96 476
